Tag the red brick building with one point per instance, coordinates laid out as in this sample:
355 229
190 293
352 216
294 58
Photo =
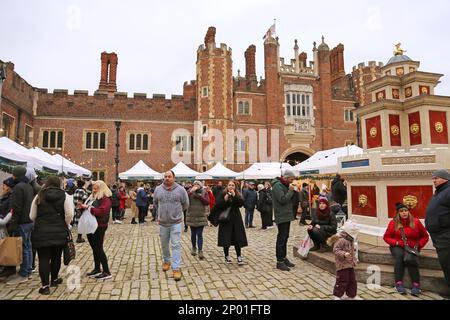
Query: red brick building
303 106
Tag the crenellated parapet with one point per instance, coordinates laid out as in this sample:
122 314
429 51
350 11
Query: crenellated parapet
362 75
102 104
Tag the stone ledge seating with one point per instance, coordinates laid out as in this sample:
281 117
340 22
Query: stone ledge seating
432 277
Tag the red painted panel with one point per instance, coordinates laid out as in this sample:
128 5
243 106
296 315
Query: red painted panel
423 194
370 193
438 127
373 132
394 128
415 130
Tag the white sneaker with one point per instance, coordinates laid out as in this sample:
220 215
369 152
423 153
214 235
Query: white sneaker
355 298
118 222
337 298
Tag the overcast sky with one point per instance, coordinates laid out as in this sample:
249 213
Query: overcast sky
56 44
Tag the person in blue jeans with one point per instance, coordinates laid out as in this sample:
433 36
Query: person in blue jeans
21 224
250 200
196 216
170 200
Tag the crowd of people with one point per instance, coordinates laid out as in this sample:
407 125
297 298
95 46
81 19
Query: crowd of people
43 217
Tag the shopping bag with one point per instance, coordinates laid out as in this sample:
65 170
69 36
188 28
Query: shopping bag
304 247
69 252
87 223
11 251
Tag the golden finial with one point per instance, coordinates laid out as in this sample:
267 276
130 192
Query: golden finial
399 51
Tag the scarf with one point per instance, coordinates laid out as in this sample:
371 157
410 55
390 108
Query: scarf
323 214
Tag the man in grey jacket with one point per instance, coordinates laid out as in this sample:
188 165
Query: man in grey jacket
170 200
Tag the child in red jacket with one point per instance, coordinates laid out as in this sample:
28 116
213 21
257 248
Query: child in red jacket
416 237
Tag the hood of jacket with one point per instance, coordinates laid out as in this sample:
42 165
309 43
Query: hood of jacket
53 194
172 187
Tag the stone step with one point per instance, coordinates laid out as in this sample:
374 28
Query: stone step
431 279
382 255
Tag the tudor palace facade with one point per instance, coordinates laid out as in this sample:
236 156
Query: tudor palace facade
306 106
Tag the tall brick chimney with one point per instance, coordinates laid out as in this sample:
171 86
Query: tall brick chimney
210 37
250 64
108 74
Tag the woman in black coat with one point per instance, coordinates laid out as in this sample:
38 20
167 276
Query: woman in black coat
323 226
231 233
52 211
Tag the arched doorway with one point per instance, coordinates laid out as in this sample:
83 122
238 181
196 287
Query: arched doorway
297 155
296 158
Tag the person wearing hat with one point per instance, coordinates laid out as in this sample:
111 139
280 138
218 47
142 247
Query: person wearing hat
323 226
437 222
250 201
5 217
196 216
282 193
343 244
416 236
21 224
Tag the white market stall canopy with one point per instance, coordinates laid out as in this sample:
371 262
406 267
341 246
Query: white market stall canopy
70 167
12 151
264 170
219 171
326 162
140 171
182 171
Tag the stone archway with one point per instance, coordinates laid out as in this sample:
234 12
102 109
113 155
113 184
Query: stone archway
297 155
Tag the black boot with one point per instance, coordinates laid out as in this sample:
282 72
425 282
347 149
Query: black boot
288 263
282 266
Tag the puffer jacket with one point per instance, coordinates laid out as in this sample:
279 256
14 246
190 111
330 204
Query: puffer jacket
196 214
418 235
50 227
438 211
343 243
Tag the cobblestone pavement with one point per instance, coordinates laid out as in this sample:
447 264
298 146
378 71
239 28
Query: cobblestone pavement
135 261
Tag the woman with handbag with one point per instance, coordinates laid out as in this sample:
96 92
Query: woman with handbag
99 204
406 234
52 211
231 227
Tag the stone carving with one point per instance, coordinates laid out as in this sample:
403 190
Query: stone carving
439 127
408 92
395 130
410 201
302 125
408 160
363 200
415 128
373 132
400 71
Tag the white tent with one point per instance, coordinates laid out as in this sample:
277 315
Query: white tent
70 167
13 151
326 162
140 171
39 153
264 170
184 172
219 171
